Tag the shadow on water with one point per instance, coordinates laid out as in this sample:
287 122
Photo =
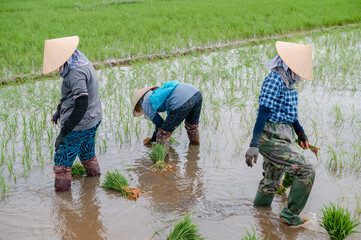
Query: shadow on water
77 214
176 191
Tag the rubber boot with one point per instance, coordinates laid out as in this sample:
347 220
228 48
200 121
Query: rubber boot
295 203
163 137
262 200
193 133
62 181
92 167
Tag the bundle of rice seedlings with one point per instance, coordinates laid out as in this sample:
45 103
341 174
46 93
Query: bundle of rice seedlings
77 169
286 183
185 230
338 222
116 181
312 148
158 153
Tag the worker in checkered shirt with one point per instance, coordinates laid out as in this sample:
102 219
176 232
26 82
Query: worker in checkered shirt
276 128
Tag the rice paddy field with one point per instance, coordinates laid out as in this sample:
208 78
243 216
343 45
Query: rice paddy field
116 29
211 181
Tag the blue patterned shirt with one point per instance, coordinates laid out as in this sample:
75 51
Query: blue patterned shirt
282 101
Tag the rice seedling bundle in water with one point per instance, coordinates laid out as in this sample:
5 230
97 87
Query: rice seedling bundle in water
77 169
158 153
185 230
338 222
116 181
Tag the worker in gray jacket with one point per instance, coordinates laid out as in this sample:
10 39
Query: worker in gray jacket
79 111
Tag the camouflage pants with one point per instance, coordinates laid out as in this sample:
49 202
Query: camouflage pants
280 154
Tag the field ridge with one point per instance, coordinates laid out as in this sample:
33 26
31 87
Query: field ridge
150 57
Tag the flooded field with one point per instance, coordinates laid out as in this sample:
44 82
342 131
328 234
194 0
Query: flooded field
211 181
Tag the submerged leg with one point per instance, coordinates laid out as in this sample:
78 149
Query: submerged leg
299 193
62 181
193 133
268 185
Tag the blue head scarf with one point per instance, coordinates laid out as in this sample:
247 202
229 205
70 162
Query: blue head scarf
77 59
160 94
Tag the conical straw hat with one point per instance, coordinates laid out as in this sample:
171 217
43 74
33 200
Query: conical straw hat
57 51
138 94
298 58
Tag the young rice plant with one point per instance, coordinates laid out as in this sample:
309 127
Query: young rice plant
116 181
185 230
78 169
338 222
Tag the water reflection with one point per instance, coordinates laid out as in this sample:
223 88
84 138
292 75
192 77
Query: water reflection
271 226
76 212
174 191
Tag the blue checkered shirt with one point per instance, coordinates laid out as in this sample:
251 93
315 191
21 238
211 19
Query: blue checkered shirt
282 101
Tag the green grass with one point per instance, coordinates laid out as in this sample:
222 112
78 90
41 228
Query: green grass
114 29
185 230
338 222
77 169
116 181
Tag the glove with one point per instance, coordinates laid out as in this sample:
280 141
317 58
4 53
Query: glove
251 154
55 117
147 140
303 140
59 140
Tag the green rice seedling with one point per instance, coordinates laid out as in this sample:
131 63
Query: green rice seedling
173 140
251 235
358 206
77 169
286 183
338 222
158 154
312 148
185 230
4 188
116 181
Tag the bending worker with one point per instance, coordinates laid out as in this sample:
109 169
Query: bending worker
79 110
276 128
180 100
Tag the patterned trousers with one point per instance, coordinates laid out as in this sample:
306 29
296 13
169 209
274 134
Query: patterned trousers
190 111
77 143
280 154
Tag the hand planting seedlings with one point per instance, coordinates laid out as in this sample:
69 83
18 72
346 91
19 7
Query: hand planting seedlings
276 128
185 230
79 109
116 181
181 101
338 222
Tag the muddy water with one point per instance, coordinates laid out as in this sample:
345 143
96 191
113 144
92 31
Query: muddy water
211 181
